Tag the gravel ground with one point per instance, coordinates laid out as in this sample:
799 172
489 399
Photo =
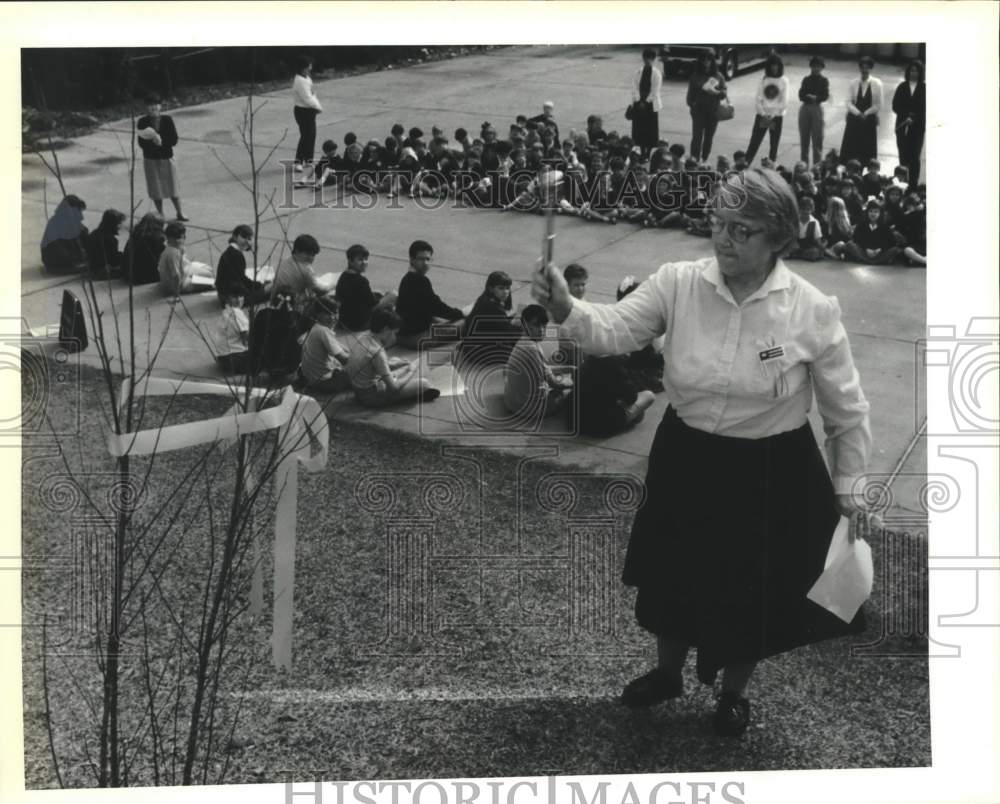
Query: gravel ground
502 663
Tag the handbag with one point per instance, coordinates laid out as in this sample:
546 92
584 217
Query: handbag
725 110
629 111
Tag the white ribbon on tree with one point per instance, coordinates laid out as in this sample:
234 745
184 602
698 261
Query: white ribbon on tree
302 425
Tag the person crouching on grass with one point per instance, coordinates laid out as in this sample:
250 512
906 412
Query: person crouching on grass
323 356
378 380
531 388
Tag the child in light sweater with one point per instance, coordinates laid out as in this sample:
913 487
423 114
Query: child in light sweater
323 356
772 101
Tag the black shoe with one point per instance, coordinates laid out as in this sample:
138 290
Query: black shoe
732 715
654 687
431 394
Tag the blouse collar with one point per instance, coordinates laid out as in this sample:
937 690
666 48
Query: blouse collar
780 278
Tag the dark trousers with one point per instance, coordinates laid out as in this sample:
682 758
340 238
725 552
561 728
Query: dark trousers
909 146
757 137
703 125
811 129
306 120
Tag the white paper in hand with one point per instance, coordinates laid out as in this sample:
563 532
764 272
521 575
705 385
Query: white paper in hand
846 581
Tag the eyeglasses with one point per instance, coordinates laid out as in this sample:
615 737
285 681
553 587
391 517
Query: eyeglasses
738 233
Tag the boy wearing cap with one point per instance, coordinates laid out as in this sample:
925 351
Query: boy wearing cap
813 93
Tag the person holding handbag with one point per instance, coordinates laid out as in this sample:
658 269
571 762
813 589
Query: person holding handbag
706 90
646 104
772 101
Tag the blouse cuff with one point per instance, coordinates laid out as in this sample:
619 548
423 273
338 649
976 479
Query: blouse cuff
847 484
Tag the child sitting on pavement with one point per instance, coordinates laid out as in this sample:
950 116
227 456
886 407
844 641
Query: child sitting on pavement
531 388
323 356
377 380
178 274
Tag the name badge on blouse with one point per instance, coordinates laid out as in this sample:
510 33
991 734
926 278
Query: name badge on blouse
773 353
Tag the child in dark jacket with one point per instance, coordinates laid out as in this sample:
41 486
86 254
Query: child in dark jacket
873 242
490 331
418 305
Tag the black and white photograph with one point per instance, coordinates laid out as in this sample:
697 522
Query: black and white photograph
405 407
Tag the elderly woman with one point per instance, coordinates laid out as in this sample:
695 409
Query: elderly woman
739 510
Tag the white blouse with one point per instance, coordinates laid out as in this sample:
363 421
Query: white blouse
302 92
744 370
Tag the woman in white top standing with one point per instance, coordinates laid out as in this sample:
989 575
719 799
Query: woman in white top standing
646 104
772 101
864 102
739 508
307 106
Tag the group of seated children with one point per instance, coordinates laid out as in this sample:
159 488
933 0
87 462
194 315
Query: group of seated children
601 176
337 342
864 218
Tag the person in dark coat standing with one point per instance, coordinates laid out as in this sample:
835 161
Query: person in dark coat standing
705 92
646 104
157 137
910 106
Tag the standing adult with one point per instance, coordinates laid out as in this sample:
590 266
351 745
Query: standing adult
157 137
814 92
864 103
307 106
646 104
772 101
910 105
706 89
740 509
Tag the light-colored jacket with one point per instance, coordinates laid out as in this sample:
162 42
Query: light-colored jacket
655 83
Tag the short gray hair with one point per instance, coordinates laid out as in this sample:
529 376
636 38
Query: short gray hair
763 195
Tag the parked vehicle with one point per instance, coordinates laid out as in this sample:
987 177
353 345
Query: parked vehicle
732 58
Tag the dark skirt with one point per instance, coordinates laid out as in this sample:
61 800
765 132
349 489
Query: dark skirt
732 534
860 139
645 125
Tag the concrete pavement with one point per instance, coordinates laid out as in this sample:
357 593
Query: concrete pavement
884 308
